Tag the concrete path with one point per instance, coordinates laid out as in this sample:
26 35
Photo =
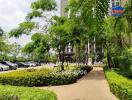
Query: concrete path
91 87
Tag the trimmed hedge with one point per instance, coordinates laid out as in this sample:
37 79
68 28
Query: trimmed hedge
42 77
119 85
25 93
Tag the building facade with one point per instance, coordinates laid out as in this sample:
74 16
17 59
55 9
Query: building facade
63 4
118 2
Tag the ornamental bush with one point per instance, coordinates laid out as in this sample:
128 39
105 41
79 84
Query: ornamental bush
42 77
25 93
119 85
125 63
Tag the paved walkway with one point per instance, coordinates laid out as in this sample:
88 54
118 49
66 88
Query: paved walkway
91 87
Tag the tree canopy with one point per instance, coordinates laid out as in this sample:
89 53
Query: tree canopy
88 20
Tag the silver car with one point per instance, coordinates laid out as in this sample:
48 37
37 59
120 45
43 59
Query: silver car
31 64
11 65
4 67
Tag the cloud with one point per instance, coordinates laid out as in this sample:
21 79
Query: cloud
13 12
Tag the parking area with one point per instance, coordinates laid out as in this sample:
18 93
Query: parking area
35 67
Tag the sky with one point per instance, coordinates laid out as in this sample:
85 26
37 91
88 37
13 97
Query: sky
13 12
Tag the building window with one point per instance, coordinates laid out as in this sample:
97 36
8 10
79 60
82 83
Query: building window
113 4
118 0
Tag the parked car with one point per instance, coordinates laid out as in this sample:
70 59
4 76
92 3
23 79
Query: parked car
21 64
10 64
31 64
4 67
1 69
38 63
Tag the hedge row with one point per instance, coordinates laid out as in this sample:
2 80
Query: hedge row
119 85
25 93
42 77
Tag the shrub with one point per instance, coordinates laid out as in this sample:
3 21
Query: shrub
41 77
119 85
25 93
9 97
125 63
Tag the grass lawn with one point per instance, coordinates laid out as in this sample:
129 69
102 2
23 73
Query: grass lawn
25 93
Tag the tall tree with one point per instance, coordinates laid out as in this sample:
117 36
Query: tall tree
4 46
15 50
118 29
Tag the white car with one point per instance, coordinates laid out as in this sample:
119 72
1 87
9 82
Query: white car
4 67
11 65
31 64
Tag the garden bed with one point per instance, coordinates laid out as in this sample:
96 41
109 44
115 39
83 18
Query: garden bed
43 77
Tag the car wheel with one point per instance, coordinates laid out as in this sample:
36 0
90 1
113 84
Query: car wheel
15 68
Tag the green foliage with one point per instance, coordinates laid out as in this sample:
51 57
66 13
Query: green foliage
116 38
1 31
28 48
113 33
125 63
119 85
16 32
33 14
28 26
39 47
42 77
92 12
24 28
44 5
52 58
9 97
25 93
64 31
37 37
3 45
128 14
